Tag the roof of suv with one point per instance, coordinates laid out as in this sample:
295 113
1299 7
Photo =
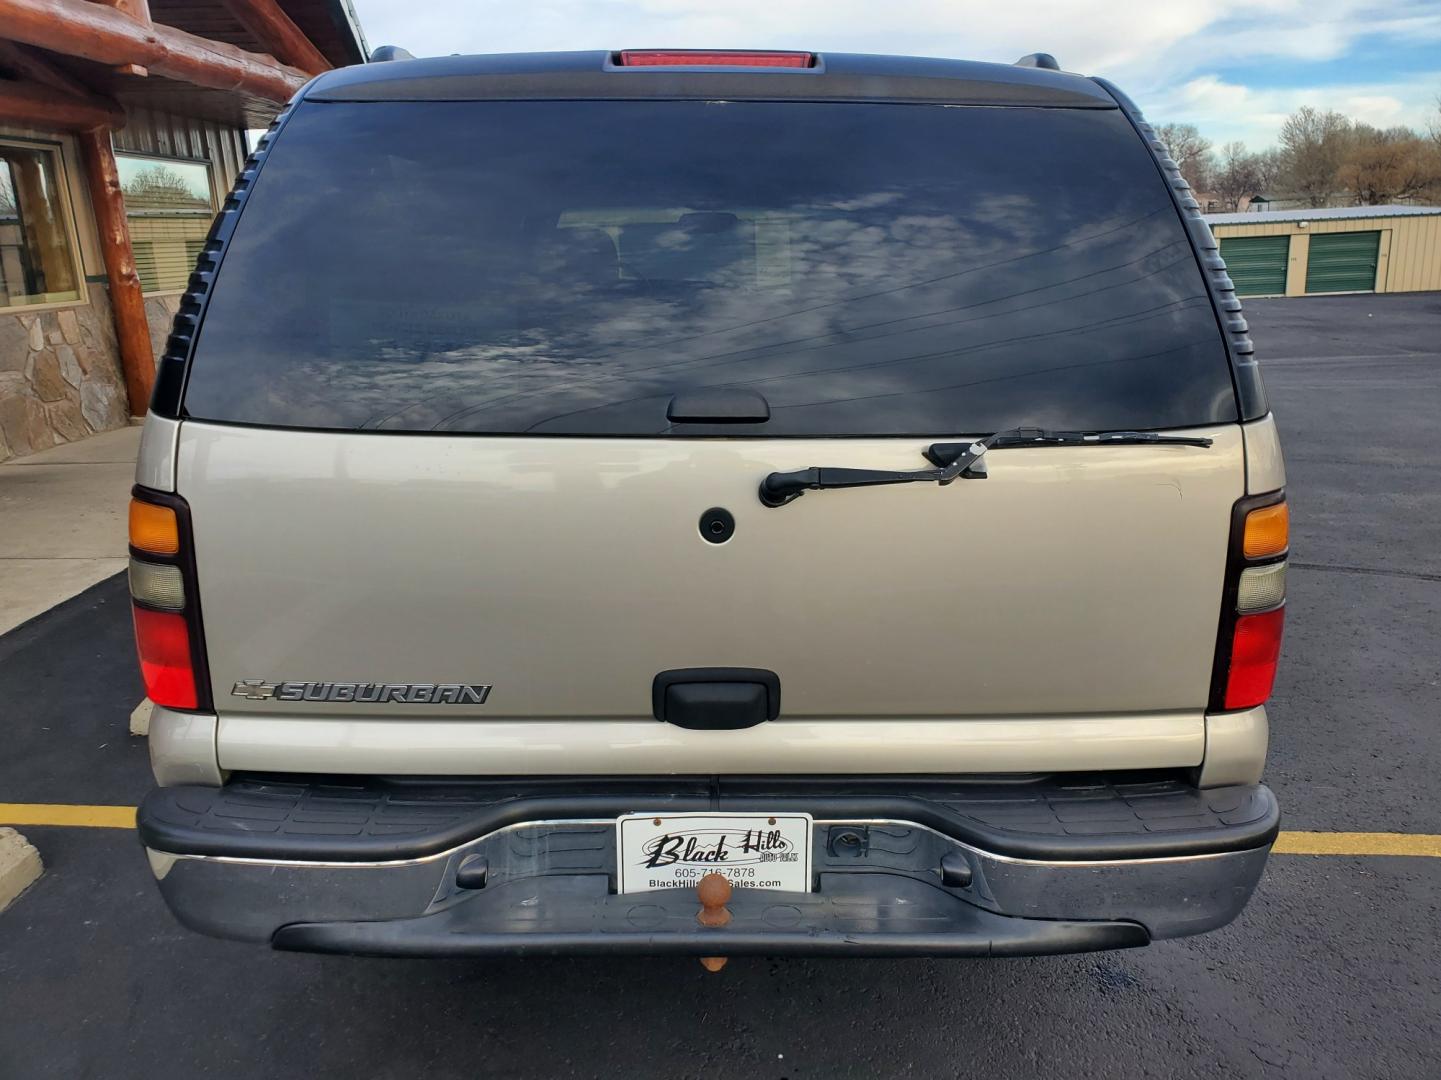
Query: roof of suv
597 75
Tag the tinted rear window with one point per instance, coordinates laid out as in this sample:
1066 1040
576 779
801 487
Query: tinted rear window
567 267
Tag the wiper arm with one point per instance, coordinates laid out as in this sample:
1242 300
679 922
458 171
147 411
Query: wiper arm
779 488
953 461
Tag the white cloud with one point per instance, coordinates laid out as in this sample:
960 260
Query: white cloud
1226 111
1165 54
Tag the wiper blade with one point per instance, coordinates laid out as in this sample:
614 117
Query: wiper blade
941 454
953 461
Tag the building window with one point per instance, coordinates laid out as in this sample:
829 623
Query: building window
37 253
168 206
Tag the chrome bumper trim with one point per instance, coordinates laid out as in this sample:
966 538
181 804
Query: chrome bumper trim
250 899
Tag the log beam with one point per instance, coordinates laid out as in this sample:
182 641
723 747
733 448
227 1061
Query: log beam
41 107
274 29
127 302
19 61
106 36
139 10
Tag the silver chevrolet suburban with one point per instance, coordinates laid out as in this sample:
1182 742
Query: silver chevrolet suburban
842 480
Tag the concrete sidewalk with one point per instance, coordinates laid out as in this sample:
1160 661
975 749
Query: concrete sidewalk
63 521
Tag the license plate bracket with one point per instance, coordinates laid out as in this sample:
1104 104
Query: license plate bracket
674 851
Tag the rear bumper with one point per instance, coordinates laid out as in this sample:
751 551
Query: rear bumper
504 868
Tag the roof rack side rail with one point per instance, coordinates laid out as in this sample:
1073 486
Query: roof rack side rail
382 53
1035 60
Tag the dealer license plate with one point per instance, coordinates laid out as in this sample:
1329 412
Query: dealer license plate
674 851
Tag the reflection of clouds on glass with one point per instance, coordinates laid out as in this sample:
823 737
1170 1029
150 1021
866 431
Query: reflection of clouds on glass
869 201
527 280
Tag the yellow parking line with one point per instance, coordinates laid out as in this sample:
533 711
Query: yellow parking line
1288 843
92 817
1358 843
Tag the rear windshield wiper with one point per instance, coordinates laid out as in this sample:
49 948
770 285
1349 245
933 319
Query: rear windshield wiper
954 461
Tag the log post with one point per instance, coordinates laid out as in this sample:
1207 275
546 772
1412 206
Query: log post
56 273
127 303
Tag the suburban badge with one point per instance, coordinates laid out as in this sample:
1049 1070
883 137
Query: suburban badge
404 693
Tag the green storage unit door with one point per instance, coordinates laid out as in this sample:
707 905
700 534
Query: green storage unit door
1343 262
1257 264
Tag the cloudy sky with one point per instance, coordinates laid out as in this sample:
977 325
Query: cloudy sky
1233 68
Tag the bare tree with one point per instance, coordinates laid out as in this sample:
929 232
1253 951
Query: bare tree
1432 194
7 187
1237 175
1270 167
1382 166
1190 150
1313 145
1322 155
161 185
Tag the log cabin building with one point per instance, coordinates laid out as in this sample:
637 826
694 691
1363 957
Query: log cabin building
122 126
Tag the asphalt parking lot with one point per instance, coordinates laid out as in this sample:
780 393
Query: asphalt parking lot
1331 972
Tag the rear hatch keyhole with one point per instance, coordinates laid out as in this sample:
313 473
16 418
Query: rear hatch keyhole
717 525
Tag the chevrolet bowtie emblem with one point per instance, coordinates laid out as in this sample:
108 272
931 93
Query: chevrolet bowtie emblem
254 689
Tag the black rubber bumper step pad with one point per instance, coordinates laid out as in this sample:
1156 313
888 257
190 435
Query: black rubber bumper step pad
1065 819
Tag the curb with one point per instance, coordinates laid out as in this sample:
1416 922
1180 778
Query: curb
140 718
20 866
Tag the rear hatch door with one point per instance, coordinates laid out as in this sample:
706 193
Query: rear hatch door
432 436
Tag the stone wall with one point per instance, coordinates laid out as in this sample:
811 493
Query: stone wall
60 376
160 313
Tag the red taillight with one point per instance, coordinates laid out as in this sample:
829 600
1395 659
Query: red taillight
685 58
165 602
1255 648
163 641
1248 639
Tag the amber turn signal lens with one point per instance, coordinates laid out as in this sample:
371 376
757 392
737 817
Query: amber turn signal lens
154 528
1268 531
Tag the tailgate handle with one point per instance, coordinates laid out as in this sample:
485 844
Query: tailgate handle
718 405
716 699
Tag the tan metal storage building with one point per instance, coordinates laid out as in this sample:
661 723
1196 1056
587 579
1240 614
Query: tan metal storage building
1340 249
